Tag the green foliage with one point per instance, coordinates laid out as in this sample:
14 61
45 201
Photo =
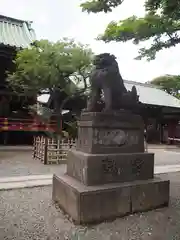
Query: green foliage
96 6
168 8
169 83
160 25
72 129
54 68
49 66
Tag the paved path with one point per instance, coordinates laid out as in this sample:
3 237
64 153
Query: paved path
20 163
166 157
45 180
15 148
14 164
19 170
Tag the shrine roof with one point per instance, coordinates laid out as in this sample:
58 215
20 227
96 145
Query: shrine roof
15 33
153 95
148 94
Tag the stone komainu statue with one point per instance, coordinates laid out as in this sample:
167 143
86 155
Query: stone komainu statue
106 81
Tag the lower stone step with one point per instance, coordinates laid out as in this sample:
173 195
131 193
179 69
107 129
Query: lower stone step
8 183
25 184
91 204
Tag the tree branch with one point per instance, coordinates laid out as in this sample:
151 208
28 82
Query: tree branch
78 93
96 6
150 53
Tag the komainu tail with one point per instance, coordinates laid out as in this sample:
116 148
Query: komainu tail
134 93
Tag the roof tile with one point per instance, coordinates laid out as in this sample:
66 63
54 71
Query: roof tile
15 33
150 94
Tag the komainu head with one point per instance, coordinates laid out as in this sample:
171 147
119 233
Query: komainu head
104 60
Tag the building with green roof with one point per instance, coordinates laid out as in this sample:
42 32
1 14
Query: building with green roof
159 108
15 34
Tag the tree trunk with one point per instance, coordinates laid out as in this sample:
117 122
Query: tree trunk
58 113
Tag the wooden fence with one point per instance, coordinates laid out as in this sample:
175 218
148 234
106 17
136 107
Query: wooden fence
50 151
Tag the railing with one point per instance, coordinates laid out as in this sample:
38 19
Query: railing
15 124
50 151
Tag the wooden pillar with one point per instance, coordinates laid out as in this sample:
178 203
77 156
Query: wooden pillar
5 135
161 133
159 121
5 138
172 130
45 151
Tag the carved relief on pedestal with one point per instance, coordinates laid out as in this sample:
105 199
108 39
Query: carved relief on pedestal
109 166
137 166
115 137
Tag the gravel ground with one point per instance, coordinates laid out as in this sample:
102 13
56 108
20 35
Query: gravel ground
30 214
21 163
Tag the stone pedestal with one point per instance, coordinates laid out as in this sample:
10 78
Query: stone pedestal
109 175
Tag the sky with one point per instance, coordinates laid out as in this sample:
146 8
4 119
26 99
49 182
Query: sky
55 19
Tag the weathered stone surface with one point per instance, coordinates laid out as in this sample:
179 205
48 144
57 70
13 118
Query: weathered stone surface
117 132
93 169
147 196
119 118
89 204
109 175
67 196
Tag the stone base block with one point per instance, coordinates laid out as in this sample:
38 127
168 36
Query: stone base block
113 132
96 169
92 204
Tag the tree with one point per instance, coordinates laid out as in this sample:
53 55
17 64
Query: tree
169 83
160 25
54 68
